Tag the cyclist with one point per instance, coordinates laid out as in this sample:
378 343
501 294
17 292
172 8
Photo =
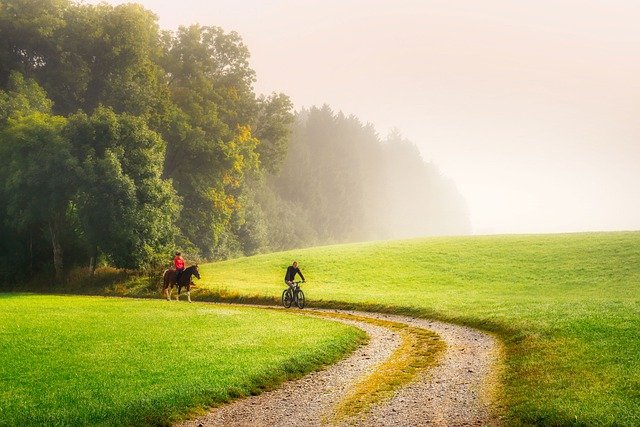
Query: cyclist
290 276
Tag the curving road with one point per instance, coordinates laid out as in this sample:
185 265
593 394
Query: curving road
457 392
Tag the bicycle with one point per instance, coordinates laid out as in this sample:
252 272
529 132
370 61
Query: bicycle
293 295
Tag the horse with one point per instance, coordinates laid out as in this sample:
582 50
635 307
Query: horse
169 281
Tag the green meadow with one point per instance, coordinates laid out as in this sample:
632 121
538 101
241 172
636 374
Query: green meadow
565 307
69 360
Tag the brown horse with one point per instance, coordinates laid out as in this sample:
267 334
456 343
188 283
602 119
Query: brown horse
169 281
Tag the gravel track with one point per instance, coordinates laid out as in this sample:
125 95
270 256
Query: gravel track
454 393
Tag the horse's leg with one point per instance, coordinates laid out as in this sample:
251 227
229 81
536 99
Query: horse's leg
189 292
178 294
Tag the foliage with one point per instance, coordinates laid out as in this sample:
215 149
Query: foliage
215 150
354 187
127 210
99 176
166 127
154 118
37 193
114 63
22 97
273 128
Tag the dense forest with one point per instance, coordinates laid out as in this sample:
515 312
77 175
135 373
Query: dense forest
121 143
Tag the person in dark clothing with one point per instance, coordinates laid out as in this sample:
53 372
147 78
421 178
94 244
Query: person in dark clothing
290 276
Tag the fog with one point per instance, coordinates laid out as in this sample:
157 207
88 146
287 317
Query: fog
529 107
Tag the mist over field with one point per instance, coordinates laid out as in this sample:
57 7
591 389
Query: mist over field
330 133
347 184
249 127
124 143
529 107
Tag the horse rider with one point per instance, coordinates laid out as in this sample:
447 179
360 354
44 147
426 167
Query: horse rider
178 263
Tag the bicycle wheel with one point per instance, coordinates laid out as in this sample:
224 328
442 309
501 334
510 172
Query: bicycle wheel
300 299
287 298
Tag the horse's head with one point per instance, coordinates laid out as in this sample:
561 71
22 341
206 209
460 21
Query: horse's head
195 271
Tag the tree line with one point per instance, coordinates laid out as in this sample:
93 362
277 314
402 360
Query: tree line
361 187
121 142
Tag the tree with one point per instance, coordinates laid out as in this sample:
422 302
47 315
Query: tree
211 147
26 27
435 207
272 128
98 176
22 97
332 168
351 186
149 120
37 174
115 61
193 87
39 177
127 210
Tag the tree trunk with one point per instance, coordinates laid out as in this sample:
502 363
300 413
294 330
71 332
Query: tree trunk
57 251
93 261
31 253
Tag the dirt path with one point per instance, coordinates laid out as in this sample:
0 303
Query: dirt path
455 393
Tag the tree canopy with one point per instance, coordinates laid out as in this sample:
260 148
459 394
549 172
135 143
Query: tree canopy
122 142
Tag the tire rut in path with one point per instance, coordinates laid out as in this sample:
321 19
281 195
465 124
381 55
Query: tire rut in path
454 393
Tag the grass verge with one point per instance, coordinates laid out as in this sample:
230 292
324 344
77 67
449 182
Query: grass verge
566 308
109 361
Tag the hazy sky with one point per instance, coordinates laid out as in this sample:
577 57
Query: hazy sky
532 108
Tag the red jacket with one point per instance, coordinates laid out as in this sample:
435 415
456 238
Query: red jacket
178 261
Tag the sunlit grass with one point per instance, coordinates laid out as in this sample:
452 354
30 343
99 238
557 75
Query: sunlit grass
567 308
88 361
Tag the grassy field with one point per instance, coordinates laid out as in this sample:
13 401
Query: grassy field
567 308
67 360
